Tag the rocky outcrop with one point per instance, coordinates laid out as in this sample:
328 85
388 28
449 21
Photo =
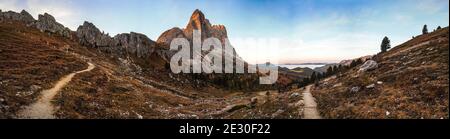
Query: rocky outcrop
368 65
220 32
26 17
23 16
166 38
135 43
89 35
47 23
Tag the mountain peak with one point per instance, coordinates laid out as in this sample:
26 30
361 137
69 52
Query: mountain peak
197 12
198 20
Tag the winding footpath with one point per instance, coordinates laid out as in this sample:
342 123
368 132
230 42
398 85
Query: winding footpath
310 108
42 108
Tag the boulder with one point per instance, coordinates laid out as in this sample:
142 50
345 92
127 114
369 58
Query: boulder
253 102
232 108
277 113
368 65
294 95
355 89
299 103
415 80
35 88
371 86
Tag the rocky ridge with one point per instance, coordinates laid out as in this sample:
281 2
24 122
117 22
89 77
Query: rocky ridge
145 54
88 34
132 44
45 22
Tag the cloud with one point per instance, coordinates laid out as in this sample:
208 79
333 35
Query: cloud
7 5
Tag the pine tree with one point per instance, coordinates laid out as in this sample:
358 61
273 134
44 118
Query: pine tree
340 68
306 81
319 76
385 44
329 71
425 29
313 77
335 69
359 61
353 64
438 28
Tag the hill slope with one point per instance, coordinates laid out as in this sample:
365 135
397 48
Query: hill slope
411 81
130 79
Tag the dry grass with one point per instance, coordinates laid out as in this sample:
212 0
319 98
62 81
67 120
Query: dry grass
415 84
29 57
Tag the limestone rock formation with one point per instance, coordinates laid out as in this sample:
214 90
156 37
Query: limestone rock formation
89 35
23 16
26 17
136 43
196 22
199 22
166 38
220 32
47 23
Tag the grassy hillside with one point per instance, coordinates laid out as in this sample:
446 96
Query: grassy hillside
29 62
411 81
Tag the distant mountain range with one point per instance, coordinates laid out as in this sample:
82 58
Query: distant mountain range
305 63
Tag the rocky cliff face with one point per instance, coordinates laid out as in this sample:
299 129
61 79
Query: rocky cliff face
136 43
199 22
196 22
89 35
169 35
47 23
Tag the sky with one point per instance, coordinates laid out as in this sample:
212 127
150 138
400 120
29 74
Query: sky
280 31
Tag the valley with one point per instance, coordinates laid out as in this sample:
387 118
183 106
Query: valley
48 71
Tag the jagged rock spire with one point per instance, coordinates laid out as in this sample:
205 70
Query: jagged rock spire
198 21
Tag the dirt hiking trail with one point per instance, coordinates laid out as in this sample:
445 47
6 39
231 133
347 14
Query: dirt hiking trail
310 109
42 108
